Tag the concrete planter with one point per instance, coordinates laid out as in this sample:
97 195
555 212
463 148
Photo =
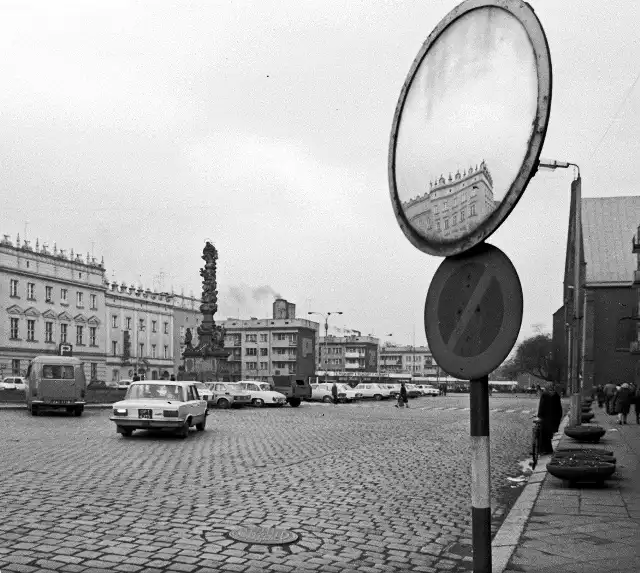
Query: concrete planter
590 434
587 416
583 455
580 470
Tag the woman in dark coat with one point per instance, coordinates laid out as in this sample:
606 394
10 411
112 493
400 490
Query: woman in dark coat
622 403
550 415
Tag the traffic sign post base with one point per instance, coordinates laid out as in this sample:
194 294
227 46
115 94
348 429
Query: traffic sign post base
480 475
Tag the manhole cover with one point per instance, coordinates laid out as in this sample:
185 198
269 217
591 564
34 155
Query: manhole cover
263 535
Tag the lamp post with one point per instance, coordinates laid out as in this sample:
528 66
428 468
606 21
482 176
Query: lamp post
326 334
573 346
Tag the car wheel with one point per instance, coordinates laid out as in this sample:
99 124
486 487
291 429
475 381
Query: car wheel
202 425
294 402
78 412
183 432
34 410
126 432
377 397
327 399
223 403
258 402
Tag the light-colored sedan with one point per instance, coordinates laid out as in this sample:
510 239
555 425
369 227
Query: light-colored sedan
13 383
371 390
155 405
428 390
261 393
322 392
225 395
124 384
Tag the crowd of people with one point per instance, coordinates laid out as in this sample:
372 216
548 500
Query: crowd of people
618 399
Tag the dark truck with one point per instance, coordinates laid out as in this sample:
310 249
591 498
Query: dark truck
295 389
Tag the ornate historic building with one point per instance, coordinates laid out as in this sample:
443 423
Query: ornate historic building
186 317
49 297
454 207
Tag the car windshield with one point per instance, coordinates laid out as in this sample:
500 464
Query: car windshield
155 392
201 386
264 387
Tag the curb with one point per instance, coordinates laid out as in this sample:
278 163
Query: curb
24 406
508 536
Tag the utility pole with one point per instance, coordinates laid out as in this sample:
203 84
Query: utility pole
326 334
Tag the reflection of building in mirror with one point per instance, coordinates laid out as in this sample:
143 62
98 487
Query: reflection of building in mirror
455 207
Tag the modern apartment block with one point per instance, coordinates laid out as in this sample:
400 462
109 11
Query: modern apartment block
279 346
348 354
48 298
416 360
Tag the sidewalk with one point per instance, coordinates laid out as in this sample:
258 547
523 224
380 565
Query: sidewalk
583 529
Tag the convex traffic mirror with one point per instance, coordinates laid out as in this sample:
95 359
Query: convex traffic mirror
469 125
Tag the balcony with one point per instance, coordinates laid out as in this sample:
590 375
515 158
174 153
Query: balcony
634 347
355 355
284 357
283 343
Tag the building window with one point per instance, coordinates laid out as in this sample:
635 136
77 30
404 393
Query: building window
251 351
31 291
14 331
48 331
63 333
438 225
166 328
114 347
454 220
462 215
93 301
264 352
472 210
15 367
153 351
141 348
264 338
80 300
166 351
64 295
79 330
251 338
264 366
31 330
115 375
13 288
251 365
446 223
94 371
127 322
92 335
154 326
141 324
182 333
114 321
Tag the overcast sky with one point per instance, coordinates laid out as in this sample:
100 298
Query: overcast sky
136 130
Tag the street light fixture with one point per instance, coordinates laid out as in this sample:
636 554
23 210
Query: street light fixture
573 353
326 334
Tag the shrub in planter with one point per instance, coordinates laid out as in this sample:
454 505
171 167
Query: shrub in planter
590 434
583 455
587 416
586 450
581 470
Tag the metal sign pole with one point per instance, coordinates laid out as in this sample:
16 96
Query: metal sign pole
480 475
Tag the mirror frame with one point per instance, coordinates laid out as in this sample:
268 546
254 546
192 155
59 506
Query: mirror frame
522 12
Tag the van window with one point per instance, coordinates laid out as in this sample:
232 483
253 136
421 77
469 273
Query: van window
58 371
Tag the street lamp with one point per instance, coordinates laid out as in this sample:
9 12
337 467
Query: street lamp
573 352
326 334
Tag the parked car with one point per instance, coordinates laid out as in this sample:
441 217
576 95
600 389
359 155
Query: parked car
203 391
13 383
393 388
322 392
413 391
160 405
261 393
124 384
226 395
372 390
295 389
428 390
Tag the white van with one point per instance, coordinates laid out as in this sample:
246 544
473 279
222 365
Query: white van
56 382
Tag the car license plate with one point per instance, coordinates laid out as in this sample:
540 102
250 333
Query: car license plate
62 401
145 414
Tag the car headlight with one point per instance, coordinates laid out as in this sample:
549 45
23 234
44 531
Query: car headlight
170 413
120 412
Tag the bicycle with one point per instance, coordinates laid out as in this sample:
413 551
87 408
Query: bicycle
536 442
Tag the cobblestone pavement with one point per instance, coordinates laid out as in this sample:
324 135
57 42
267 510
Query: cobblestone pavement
368 487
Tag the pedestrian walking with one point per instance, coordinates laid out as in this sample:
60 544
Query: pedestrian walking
609 394
403 399
334 392
600 395
136 378
550 415
173 378
622 403
636 402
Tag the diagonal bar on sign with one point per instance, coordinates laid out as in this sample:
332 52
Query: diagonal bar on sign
476 297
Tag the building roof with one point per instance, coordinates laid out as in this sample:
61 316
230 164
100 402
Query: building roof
608 225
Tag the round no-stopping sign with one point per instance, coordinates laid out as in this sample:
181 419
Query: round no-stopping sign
473 312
